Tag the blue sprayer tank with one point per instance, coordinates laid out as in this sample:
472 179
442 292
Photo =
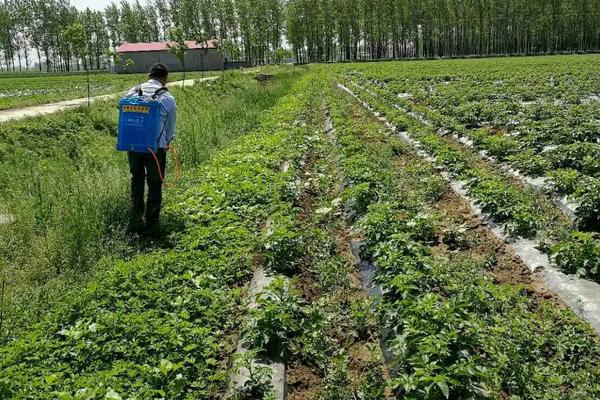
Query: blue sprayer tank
139 119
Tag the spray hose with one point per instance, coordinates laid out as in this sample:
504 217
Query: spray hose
177 166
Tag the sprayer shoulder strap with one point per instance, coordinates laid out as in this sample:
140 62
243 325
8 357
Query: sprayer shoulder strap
159 92
139 90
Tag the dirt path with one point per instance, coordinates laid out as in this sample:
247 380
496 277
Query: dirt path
43 109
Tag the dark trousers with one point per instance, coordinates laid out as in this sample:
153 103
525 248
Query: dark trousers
143 168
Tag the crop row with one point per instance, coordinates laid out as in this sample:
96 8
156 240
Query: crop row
457 329
162 324
570 168
521 211
492 109
493 89
319 323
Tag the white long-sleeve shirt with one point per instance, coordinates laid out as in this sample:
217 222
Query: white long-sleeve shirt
168 113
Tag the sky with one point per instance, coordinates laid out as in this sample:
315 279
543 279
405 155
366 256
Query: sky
93 4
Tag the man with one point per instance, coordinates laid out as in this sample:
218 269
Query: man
144 166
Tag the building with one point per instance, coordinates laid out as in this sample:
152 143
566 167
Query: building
139 57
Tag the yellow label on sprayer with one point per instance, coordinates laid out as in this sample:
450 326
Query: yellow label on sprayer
136 109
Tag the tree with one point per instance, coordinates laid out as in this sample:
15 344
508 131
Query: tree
228 48
76 40
179 48
282 54
316 30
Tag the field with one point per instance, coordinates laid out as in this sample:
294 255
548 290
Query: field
33 89
410 230
533 119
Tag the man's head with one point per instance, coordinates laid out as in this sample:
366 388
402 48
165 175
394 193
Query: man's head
159 72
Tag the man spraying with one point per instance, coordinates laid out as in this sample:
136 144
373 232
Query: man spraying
149 166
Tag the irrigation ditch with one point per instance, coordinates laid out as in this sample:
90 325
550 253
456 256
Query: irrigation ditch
366 269
580 295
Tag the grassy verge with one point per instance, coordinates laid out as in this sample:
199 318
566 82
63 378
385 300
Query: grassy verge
462 322
68 189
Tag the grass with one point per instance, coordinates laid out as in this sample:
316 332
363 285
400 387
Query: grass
69 189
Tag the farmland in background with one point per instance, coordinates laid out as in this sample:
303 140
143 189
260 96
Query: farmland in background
22 90
339 184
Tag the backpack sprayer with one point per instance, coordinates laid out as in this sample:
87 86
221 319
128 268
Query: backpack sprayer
139 126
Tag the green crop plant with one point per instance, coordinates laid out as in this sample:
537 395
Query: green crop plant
529 162
588 198
284 244
453 331
258 385
337 382
579 256
276 319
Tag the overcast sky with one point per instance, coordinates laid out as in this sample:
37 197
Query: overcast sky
93 4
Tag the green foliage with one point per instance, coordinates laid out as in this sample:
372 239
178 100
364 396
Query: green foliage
156 325
454 332
497 146
588 207
529 162
580 255
332 273
456 238
337 381
178 48
284 244
373 384
584 157
276 319
565 181
258 386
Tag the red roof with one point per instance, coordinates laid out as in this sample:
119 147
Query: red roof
159 46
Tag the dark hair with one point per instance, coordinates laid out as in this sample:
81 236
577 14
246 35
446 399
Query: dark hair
159 71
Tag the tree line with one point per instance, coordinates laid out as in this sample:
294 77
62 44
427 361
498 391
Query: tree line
324 30
58 37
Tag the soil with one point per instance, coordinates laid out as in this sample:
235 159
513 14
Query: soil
303 382
510 270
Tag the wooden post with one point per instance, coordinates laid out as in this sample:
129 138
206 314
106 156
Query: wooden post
2 303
